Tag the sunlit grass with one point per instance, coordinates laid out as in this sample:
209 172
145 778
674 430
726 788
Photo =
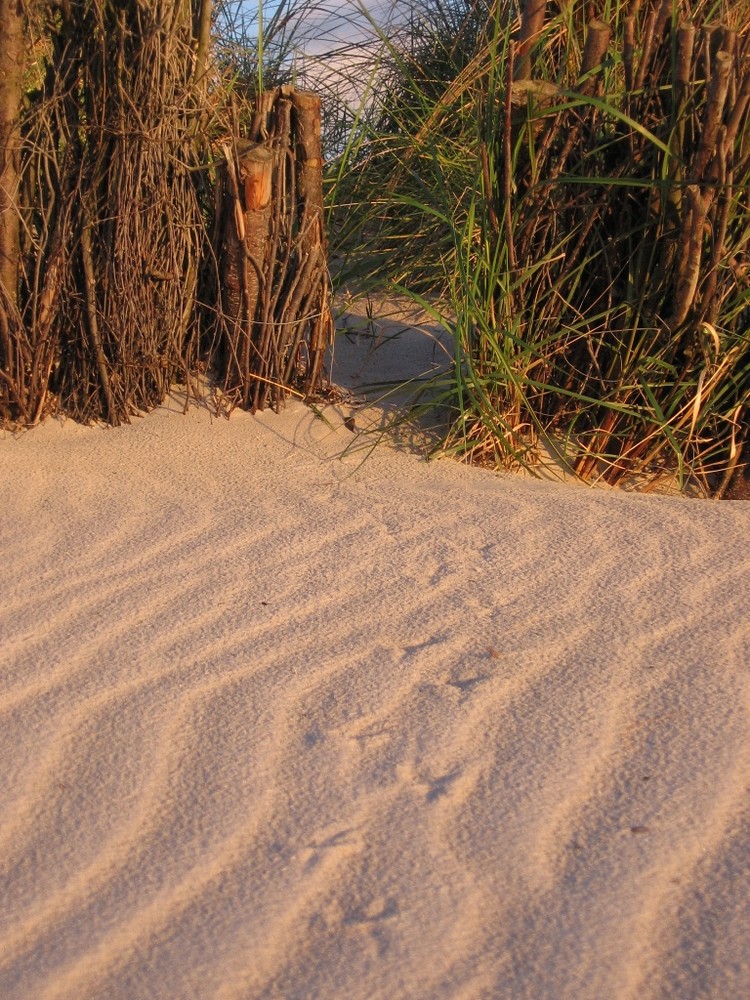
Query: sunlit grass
583 230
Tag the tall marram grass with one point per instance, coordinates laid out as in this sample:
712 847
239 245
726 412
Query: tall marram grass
572 185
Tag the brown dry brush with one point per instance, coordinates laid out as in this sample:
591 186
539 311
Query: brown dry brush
117 270
112 228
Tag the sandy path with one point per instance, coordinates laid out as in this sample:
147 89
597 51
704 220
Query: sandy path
280 724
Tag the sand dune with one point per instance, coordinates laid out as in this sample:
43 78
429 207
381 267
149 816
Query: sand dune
278 722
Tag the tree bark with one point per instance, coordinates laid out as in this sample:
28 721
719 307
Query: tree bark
12 56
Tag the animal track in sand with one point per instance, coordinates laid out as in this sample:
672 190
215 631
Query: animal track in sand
338 839
438 787
342 842
374 918
347 839
372 733
415 648
465 686
374 912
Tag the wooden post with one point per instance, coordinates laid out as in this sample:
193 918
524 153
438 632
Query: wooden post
309 161
532 24
247 215
595 49
256 177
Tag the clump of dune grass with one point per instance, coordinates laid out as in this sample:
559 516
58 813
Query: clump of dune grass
574 192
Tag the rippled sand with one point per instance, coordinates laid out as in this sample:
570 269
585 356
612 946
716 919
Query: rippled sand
281 724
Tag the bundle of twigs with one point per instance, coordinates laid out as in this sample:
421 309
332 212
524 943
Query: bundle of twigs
113 208
275 317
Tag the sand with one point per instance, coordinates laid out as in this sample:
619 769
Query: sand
280 722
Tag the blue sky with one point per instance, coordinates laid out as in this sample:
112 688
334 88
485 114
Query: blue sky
334 45
327 26
329 12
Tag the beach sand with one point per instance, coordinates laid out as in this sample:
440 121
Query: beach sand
284 717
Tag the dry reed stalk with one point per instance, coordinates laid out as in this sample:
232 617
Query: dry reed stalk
508 164
14 352
12 60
